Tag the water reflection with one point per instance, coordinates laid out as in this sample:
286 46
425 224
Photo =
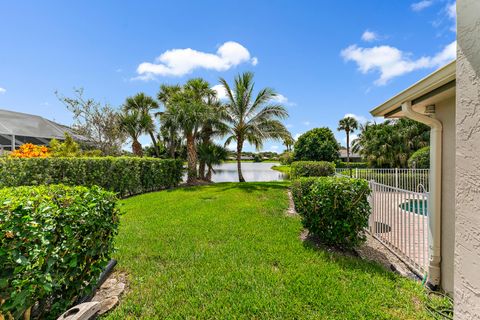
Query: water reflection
227 172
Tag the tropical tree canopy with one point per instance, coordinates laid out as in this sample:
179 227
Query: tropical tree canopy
135 123
391 143
252 118
186 111
318 144
145 104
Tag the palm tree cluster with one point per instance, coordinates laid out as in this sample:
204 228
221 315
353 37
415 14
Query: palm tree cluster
193 116
391 143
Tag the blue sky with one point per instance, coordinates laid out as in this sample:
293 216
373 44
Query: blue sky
326 58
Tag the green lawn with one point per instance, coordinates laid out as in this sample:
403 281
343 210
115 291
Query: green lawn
282 168
228 251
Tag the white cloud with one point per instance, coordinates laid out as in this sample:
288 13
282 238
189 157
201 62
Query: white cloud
452 10
419 6
2 90
369 36
306 123
452 14
274 148
179 62
352 137
391 62
297 136
221 92
281 99
360 119
289 125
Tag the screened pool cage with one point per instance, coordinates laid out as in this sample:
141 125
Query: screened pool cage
19 128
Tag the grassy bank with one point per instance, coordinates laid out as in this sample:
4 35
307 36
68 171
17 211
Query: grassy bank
282 168
229 251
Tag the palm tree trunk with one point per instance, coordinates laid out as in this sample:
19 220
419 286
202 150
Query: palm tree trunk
154 141
239 160
209 174
137 148
348 152
201 163
191 159
348 146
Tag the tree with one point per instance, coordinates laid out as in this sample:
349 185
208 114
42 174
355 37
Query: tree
67 148
146 105
288 142
135 123
348 124
186 108
391 143
211 154
318 144
212 127
99 123
252 119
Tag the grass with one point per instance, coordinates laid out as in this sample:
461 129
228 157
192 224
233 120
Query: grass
250 161
282 168
229 251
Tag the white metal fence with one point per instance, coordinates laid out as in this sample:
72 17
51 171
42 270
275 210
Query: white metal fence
399 217
407 179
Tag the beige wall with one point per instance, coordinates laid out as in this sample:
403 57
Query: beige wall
467 220
445 112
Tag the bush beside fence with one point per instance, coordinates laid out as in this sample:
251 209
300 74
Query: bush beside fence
416 180
55 241
334 209
340 164
123 175
312 169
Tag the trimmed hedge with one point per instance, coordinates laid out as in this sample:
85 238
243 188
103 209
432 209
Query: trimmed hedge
54 242
340 164
334 209
123 175
312 169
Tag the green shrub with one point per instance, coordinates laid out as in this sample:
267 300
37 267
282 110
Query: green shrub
318 144
311 169
334 209
286 158
420 159
124 175
360 165
54 242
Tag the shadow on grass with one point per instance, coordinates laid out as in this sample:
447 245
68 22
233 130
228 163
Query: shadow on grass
346 259
241 186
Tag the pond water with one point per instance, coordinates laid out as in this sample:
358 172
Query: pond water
252 171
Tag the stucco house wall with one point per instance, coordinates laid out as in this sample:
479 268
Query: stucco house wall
467 220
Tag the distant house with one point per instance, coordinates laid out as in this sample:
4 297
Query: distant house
19 128
354 157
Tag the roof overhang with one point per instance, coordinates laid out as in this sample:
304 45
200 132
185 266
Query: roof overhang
437 86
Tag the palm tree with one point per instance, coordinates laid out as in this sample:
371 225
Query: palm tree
211 154
348 124
135 123
252 119
214 126
288 142
146 105
186 108
169 130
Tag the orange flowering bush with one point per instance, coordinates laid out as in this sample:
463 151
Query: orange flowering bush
29 150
